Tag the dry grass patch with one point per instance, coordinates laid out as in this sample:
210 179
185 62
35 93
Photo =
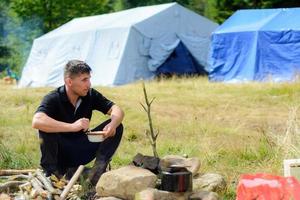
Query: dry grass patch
232 128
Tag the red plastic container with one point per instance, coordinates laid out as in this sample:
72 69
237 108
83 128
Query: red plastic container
267 187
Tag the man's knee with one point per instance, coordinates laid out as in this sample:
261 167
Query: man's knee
120 128
119 132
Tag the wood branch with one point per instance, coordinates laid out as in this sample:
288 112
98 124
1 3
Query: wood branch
25 186
45 182
7 172
34 193
152 136
9 184
143 107
151 101
71 182
38 181
156 135
19 176
36 184
15 177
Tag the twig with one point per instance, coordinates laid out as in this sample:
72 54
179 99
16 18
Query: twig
45 182
151 135
71 182
36 184
7 172
23 186
14 177
9 184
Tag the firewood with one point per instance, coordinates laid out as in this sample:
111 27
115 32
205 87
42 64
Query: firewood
15 177
5 197
10 184
33 193
25 187
71 182
22 196
56 197
45 182
58 183
36 184
7 172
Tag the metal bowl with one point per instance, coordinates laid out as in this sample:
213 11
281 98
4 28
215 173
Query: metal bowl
96 136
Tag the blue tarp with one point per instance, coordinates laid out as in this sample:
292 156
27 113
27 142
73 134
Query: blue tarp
257 45
181 62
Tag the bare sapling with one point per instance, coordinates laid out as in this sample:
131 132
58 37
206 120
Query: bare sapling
150 133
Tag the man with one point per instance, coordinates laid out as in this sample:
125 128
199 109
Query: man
63 118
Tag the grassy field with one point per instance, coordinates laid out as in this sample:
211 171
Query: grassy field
231 128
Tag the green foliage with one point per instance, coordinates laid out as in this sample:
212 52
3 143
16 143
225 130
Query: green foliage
132 137
5 51
220 10
9 159
195 5
54 13
16 37
119 5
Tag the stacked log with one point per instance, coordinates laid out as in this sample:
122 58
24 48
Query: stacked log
33 184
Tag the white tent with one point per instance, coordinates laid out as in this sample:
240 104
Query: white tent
120 47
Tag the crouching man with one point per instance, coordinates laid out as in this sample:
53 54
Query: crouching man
64 116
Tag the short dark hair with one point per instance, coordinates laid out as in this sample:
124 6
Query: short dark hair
76 67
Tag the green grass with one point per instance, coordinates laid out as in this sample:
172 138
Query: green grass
231 128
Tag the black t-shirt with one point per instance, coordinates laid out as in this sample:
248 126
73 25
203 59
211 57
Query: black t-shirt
57 105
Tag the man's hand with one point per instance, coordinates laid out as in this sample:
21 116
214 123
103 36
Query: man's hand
81 124
116 115
109 130
47 124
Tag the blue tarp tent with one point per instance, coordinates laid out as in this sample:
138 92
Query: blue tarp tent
257 45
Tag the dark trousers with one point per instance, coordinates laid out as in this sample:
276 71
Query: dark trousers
61 151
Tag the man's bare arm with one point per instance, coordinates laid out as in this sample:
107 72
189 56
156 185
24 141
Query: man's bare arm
47 124
116 115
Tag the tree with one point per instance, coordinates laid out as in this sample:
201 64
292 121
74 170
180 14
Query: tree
54 13
220 10
5 51
136 3
119 5
16 37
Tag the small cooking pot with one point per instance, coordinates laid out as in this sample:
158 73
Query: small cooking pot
176 179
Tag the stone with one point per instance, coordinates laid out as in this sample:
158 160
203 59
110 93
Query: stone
155 194
209 182
125 182
204 195
192 164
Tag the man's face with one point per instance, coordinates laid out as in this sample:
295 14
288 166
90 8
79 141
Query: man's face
80 84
